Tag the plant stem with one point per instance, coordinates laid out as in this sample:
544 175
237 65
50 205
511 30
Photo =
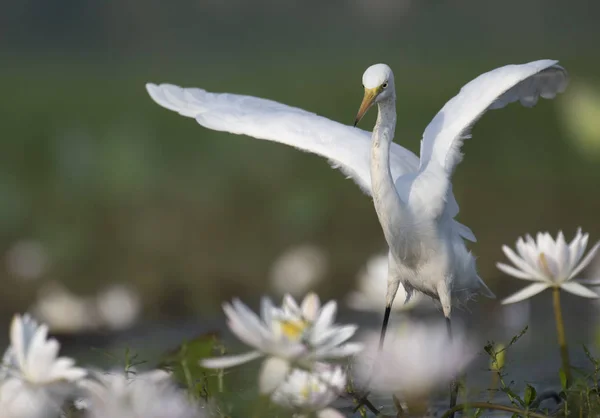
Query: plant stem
485 405
363 401
560 331
359 400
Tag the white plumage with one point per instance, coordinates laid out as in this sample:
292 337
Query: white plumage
346 148
421 185
443 137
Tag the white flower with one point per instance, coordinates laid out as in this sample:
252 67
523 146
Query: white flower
135 395
63 311
34 381
20 400
298 270
290 335
33 358
372 285
307 392
118 306
415 360
549 263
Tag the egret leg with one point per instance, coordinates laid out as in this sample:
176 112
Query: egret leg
454 383
386 319
446 302
392 289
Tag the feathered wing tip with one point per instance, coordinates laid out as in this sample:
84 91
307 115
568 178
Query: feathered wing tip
464 231
177 99
485 290
547 83
525 83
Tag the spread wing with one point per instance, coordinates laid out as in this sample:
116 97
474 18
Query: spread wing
346 147
445 134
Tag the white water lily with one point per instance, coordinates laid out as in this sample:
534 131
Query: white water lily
34 381
18 400
416 360
298 270
311 392
135 395
290 335
549 263
372 287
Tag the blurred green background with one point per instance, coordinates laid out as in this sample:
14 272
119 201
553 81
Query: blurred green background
99 185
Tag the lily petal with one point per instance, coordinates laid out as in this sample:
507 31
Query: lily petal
249 326
581 246
579 290
574 250
511 271
289 351
325 318
229 361
527 292
587 260
266 310
273 372
246 335
310 306
521 264
289 305
330 413
17 341
564 261
241 314
345 350
338 336
527 250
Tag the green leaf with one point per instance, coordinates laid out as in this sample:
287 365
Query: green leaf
563 379
530 394
184 362
477 413
513 396
589 356
497 363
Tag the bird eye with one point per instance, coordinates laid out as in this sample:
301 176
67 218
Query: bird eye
385 85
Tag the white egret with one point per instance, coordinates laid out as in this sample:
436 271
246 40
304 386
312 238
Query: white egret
427 252
413 196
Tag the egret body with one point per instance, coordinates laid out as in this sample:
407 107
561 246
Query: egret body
427 251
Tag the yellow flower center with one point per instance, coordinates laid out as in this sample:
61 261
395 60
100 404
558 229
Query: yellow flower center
310 387
293 329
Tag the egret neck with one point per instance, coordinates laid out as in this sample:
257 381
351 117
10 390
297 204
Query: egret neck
387 202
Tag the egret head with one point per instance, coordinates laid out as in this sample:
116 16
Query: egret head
378 82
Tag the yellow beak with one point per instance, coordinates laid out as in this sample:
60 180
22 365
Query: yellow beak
368 100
